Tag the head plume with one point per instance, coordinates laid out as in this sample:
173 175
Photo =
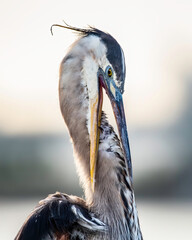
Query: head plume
114 52
83 32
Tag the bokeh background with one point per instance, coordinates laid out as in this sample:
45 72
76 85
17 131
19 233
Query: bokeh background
35 150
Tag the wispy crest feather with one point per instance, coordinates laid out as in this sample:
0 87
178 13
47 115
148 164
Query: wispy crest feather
81 31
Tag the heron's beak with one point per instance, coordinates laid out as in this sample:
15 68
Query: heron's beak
118 109
116 100
95 120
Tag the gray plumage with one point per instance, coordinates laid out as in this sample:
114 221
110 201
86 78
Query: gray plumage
109 212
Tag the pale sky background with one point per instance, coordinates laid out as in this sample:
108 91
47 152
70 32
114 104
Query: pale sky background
156 37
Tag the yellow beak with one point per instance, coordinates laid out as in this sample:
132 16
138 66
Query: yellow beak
95 120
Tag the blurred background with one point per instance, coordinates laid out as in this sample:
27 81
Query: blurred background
35 150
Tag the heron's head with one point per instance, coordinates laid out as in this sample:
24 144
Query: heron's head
102 67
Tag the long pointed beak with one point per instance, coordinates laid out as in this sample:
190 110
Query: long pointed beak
95 120
118 109
116 99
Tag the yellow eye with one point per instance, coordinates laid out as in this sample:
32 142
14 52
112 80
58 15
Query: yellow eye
110 73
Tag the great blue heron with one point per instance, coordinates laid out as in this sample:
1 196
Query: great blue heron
94 62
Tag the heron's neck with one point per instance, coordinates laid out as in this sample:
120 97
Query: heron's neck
113 198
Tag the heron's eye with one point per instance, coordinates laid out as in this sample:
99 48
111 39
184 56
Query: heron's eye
109 72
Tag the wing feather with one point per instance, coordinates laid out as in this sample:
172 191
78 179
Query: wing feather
58 215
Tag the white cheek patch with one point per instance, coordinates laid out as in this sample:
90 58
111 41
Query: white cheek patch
89 76
90 79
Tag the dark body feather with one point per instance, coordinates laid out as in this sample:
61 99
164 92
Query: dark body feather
60 216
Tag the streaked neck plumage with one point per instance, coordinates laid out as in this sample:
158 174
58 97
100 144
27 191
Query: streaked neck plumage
113 198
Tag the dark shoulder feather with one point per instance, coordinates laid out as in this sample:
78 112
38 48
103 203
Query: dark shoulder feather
56 216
